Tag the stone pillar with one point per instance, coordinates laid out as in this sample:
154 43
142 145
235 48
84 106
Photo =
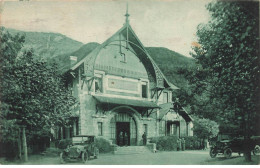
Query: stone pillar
157 123
139 131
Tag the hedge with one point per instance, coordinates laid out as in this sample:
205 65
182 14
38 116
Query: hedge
103 145
165 143
192 143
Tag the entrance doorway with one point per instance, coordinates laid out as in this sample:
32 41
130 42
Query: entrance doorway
123 128
125 123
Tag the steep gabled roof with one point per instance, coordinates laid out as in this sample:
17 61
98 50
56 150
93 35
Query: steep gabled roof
96 50
140 51
64 63
170 85
167 107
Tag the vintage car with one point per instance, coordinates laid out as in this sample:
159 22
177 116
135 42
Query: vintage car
256 141
227 147
256 150
82 148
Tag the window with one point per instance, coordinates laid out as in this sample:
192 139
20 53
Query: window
100 129
77 127
144 90
165 97
98 85
123 57
172 129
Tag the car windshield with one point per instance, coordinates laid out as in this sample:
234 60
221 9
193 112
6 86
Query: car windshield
80 140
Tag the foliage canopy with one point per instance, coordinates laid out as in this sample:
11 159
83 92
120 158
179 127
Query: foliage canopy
32 92
226 83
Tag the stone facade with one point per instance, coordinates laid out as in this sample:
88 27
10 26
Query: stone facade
121 89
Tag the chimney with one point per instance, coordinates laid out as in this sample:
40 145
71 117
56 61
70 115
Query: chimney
73 60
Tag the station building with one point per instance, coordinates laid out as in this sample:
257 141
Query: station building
121 89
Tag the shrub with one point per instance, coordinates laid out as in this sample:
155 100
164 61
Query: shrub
64 143
193 142
8 150
165 143
103 145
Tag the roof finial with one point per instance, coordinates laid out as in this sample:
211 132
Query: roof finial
126 15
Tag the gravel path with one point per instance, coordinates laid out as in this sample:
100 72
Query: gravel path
160 158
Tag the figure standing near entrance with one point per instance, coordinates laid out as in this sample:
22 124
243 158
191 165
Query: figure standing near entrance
126 139
144 138
121 138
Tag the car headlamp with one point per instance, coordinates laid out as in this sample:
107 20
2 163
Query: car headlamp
78 150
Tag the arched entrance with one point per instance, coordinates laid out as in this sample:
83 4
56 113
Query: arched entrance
125 123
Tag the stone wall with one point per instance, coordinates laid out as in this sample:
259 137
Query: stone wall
89 120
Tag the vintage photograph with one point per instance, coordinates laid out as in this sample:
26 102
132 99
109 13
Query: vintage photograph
140 82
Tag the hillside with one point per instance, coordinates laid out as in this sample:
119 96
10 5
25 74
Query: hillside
170 62
57 47
48 45
63 60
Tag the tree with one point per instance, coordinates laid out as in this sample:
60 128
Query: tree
227 54
205 129
32 92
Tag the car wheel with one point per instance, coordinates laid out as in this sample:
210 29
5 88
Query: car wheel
213 153
85 157
62 158
96 153
227 153
256 150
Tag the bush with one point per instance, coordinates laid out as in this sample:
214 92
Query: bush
8 150
165 143
64 143
192 143
103 145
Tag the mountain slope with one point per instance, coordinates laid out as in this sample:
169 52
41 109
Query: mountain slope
170 62
48 45
57 47
63 60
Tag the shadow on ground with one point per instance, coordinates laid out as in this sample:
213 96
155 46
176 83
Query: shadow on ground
234 160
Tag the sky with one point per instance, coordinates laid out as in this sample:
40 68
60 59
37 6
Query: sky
157 23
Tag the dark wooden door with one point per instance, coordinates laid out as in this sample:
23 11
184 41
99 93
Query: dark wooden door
123 127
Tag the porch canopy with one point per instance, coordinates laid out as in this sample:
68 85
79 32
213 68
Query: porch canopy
124 101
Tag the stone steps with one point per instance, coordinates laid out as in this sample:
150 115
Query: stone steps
127 150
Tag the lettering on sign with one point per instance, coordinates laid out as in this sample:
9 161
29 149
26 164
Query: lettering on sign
120 71
122 84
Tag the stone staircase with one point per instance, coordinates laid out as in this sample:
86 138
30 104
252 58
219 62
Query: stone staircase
128 150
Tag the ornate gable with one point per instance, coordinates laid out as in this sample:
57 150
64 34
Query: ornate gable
133 44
